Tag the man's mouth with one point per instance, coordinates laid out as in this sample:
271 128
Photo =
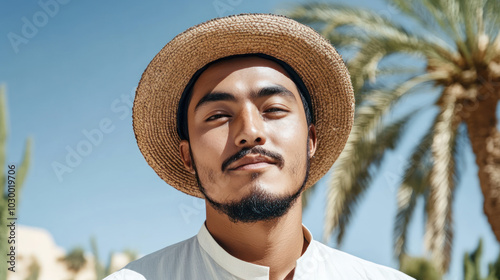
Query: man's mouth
252 159
251 162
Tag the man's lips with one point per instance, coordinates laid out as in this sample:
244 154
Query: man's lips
251 162
256 157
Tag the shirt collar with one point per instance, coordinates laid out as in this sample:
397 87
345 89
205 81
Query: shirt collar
235 266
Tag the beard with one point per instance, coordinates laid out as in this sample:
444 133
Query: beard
259 205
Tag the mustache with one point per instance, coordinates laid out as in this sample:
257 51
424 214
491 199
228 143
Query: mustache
255 150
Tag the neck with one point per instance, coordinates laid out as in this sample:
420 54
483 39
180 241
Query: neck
277 243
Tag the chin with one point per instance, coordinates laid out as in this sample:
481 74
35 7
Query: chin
271 185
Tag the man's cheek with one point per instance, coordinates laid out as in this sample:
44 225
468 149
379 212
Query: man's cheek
296 166
206 175
213 145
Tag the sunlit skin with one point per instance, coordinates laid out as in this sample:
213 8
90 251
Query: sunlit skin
244 103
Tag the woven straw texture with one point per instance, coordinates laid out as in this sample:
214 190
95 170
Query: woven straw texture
308 53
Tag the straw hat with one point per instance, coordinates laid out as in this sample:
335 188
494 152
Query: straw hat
313 58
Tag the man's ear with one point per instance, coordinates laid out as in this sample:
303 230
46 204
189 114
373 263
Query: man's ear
186 156
313 140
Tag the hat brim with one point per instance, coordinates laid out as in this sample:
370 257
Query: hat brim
313 58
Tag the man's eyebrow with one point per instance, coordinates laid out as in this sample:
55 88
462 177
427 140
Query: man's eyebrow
215 96
263 92
273 90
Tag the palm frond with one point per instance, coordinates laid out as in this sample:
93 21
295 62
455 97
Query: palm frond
33 269
365 64
392 69
471 11
415 182
22 169
495 267
74 259
357 25
3 132
447 15
420 268
368 156
343 188
472 264
306 196
382 99
439 227
98 267
332 16
416 11
374 36
491 12
339 40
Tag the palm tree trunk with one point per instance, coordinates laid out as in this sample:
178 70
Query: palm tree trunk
485 140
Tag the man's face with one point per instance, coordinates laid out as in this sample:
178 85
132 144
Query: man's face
249 139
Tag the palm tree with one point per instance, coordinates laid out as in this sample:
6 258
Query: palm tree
19 177
74 260
420 268
472 265
33 270
101 270
456 43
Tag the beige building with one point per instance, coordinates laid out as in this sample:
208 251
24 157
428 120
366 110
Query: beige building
36 245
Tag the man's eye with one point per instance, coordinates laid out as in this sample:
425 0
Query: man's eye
217 116
274 109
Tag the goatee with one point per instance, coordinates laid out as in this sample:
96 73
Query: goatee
259 205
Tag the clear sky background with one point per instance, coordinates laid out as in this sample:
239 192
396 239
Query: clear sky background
76 73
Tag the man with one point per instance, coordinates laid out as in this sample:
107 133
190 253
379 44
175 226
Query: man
246 112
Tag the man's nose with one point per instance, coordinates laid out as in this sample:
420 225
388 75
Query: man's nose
249 128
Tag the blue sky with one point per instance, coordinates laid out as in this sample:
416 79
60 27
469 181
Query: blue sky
76 74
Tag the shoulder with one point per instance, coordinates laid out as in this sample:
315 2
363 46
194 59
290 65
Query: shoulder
165 255
162 262
354 267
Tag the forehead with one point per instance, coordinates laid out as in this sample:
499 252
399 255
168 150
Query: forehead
241 73
226 66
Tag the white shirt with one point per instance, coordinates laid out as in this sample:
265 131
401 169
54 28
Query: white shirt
201 257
